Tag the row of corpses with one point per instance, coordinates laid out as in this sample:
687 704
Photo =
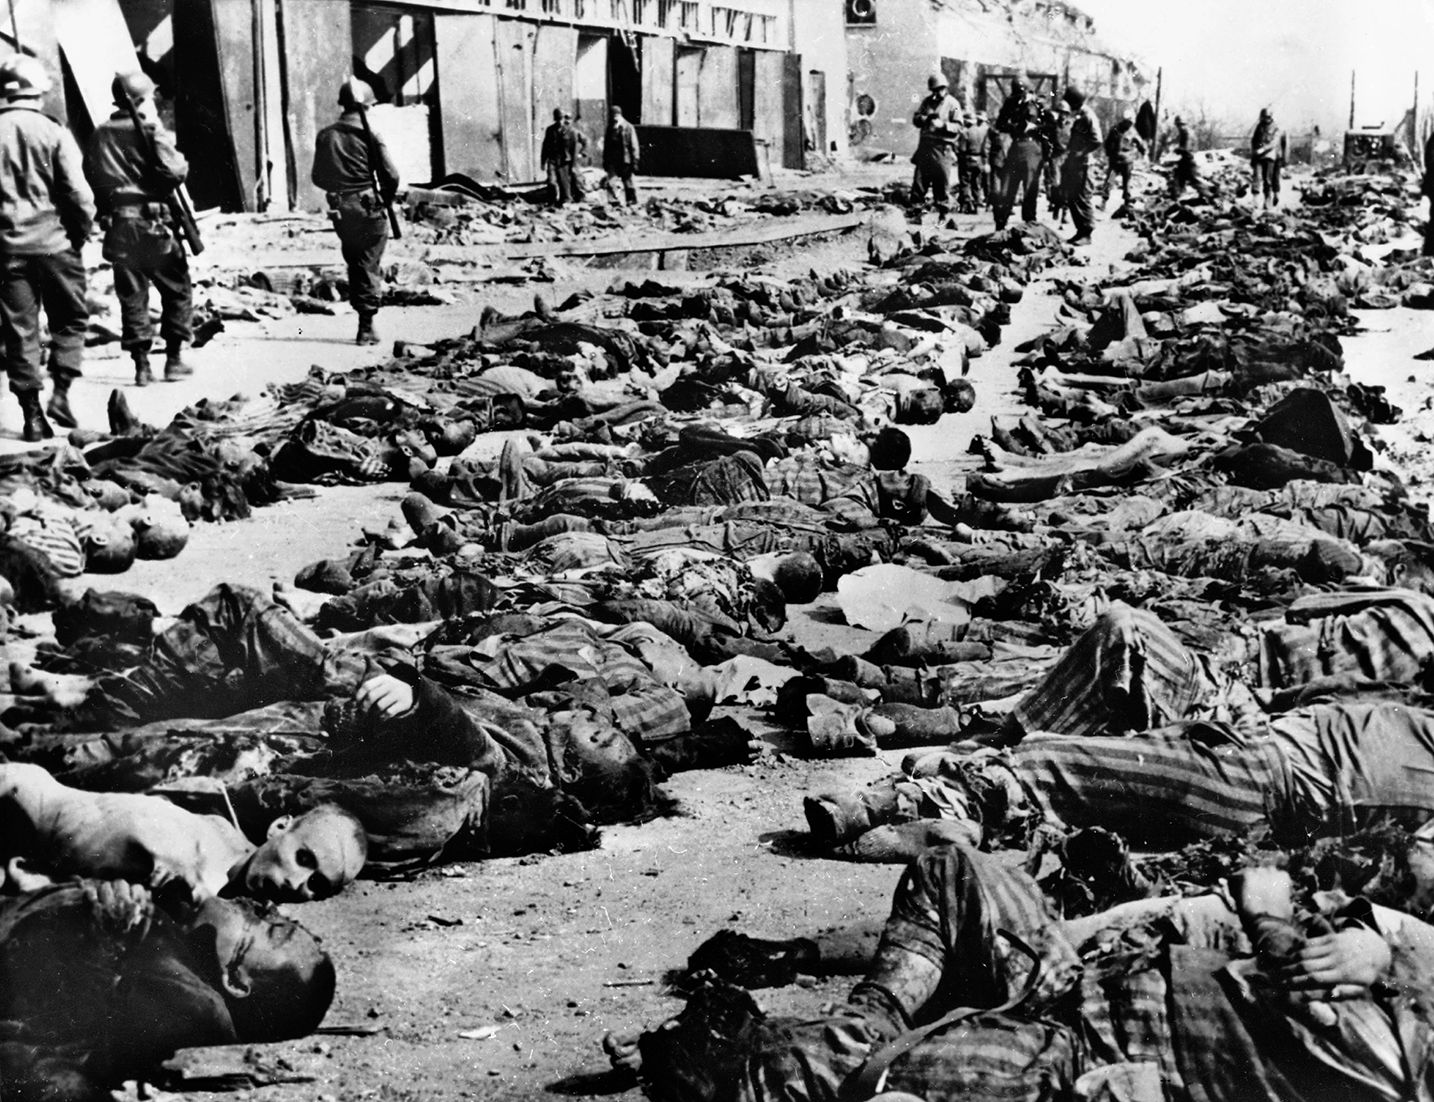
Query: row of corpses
1185 542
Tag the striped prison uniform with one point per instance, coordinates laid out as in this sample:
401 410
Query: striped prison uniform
1323 770
1156 1002
1130 672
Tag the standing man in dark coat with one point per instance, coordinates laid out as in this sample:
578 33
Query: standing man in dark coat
1021 119
938 119
1122 146
620 155
1084 142
559 156
1187 172
1054 140
347 157
46 213
141 240
1429 191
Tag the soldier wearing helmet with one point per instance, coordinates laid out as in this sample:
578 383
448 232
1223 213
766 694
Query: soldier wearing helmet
46 213
1122 146
348 156
1021 121
141 240
938 118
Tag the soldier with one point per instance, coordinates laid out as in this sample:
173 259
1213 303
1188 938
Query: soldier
140 236
971 153
938 119
1054 140
46 213
620 154
1122 146
1022 120
1084 141
1187 172
347 158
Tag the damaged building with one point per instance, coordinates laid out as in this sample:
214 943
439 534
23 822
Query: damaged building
467 86
980 46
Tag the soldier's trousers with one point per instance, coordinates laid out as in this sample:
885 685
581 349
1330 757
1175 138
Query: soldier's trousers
1075 178
933 170
362 226
1022 176
973 183
145 252
56 282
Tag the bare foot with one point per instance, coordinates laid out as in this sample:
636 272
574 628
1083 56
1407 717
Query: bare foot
622 1050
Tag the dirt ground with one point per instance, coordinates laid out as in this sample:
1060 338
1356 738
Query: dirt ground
536 958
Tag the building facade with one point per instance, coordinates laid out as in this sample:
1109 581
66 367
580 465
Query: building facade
980 46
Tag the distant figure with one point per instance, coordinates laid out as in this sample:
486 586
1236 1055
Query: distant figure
1055 140
620 156
1187 172
141 240
559 156
938 119
1084 141
1122 145
972 150
1429 191
46 213
1021 120
1265 145
997 143
347 158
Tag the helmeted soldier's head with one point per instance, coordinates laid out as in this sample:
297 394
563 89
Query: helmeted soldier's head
133 87
1019 88
355 93
936 82
1075 97
23 77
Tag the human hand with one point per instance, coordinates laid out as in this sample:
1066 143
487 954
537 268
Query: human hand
1346 963
385 696
121 907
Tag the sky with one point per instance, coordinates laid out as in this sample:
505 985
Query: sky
1232 57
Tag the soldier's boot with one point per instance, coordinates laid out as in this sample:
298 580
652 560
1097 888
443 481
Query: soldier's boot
36 427
59 405
174 365
142 374
367 334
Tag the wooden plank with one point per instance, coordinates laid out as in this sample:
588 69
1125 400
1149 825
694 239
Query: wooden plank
94 39
468 95
687 76
590 92
768 105
793 145
555 55
314 70
717 88
784 229
514 61
658 62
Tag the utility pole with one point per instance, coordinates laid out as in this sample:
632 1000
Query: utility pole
1351 99
1155 137
1414 120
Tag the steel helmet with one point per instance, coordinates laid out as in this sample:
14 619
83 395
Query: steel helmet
355 93
935 81
127 88
21 76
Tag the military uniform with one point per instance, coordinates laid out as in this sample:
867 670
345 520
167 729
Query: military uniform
346 159
141 240
1023 119
939 120
972 149
1084 141
46 213
1056 139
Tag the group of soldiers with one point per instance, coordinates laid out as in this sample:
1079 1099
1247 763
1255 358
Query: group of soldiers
1001 164
127 179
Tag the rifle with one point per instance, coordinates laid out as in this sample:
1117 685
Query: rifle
373 175
180 208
